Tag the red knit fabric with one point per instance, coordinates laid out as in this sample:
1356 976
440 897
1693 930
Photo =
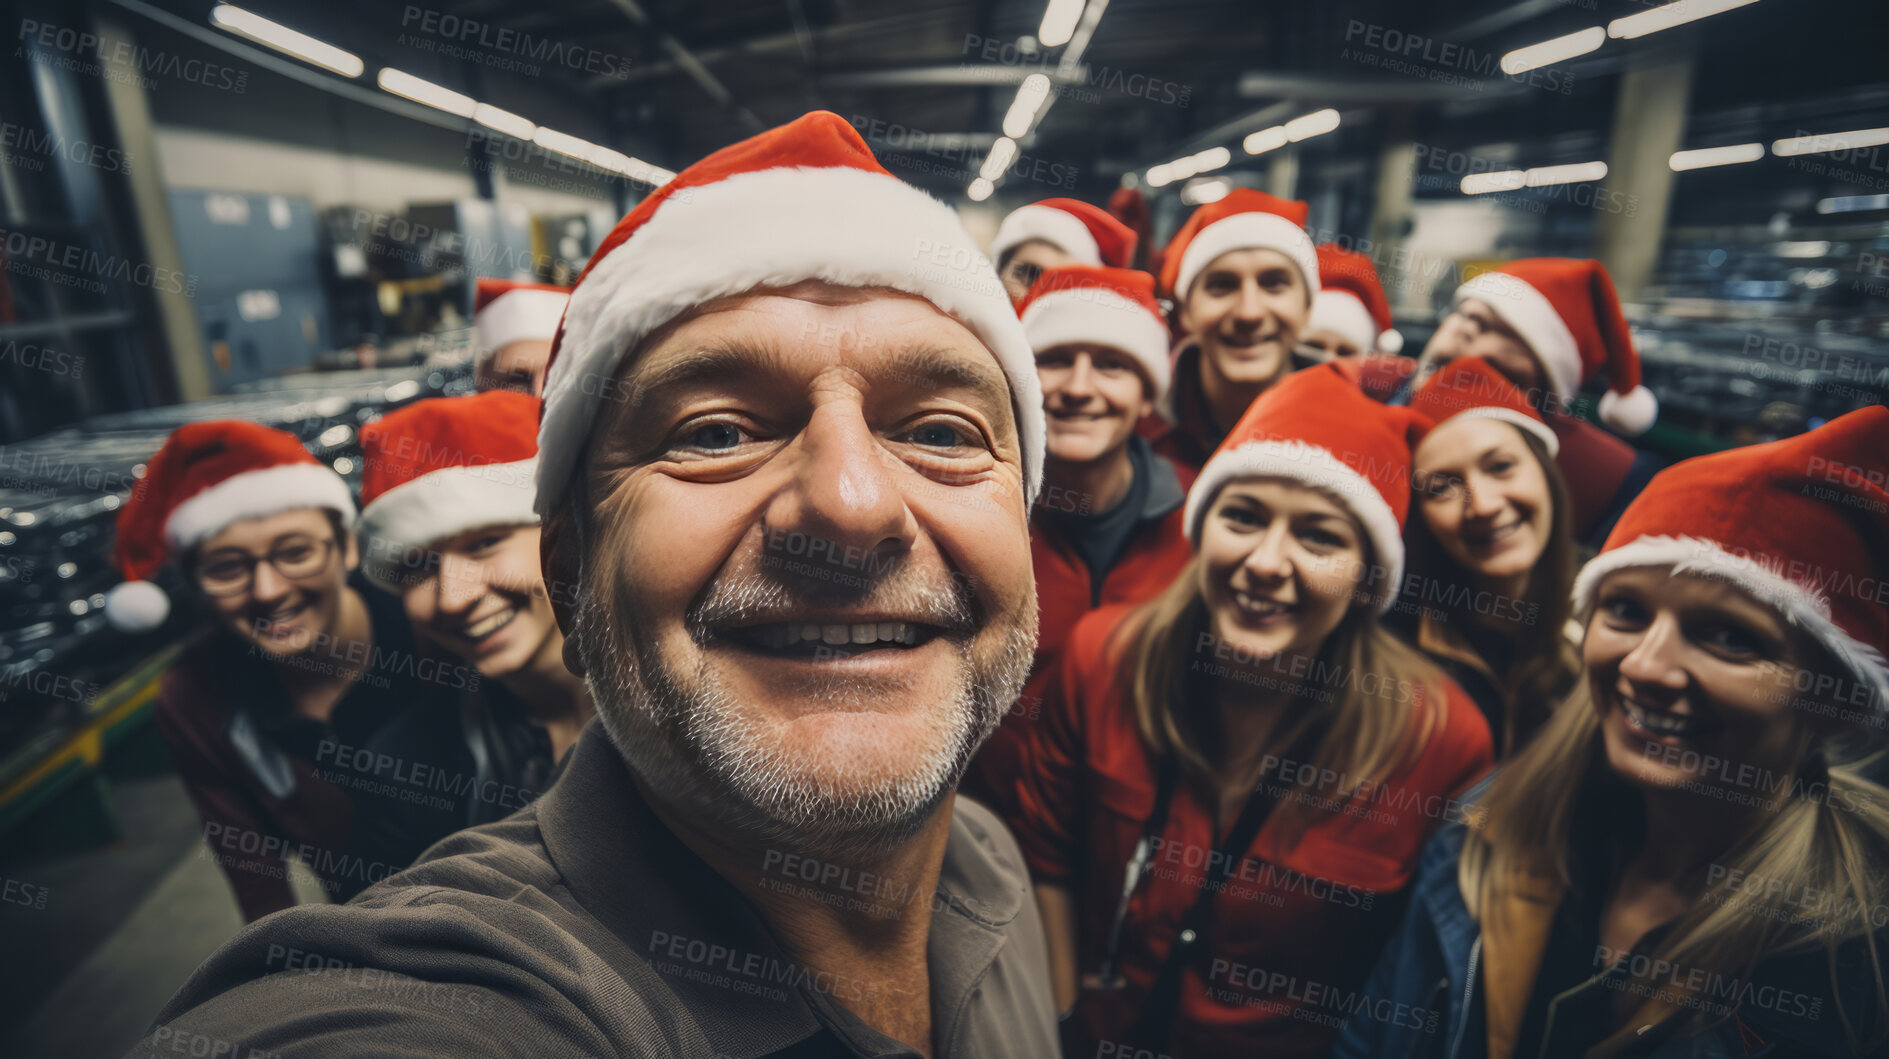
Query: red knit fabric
195 457
500 426
1239 200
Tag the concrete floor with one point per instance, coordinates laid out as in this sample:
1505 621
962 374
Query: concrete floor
120 929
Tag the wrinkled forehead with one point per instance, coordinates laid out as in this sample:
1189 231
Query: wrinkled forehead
886 338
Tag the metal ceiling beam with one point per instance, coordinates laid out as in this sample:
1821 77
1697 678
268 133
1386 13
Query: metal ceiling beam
954 74
689 64
772 42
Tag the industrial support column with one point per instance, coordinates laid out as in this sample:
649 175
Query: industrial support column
1391 212
177 315
1649 125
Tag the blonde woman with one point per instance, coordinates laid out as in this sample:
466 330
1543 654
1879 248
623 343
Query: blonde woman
1230 784
1691 863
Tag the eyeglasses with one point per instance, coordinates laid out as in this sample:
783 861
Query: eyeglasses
296 559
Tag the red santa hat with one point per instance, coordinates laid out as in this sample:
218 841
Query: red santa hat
440 467
1086 233
1566 310
1244 220
205 477
1800 524
505 311
1111 307
1318 428
1468 386
1351 301
805 201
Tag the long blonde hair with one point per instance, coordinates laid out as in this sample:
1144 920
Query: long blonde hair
1381 682
1556 803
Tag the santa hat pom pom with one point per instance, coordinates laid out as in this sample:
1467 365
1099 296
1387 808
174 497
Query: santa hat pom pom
1390 342
136 606
1631 413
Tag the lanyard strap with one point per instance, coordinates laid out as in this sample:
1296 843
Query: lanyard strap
1156 1025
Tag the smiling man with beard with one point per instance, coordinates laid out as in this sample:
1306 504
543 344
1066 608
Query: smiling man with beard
786 467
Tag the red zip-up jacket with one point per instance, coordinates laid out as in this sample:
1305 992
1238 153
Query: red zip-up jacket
1292 938
1065 591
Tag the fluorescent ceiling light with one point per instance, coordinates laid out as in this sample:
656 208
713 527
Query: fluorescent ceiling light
1059 22
1030 96
1544 176
980 189
289 42
1313 124
1212 158
1673 14
408 86
563 143
1829 141
1002 153
1159 175
1266 140
1705 157
1202 192
503 120
1522 60
1483 183
1853 203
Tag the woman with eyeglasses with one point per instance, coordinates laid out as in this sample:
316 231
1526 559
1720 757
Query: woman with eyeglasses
296 662
1230 784
1690 859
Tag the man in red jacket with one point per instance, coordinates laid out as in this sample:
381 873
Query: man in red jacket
1107 527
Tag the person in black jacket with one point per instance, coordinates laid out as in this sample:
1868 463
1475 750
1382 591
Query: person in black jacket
448 525
293 652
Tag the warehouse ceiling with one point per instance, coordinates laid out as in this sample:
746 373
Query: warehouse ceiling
670 80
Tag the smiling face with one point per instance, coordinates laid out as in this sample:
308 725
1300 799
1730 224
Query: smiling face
807 587
1474 330
1027 262
1484 496
1686 671
1092 397
280 615
1246 309
482 597
1280 565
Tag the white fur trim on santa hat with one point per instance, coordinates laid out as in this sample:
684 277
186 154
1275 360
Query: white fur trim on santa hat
1533 317
1065 231
1390 341
1252 230
1101 317
1632 413
775 228
518 315
1316 467
1535 427
445 503
136 606
1800 604
254 494
1334 309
